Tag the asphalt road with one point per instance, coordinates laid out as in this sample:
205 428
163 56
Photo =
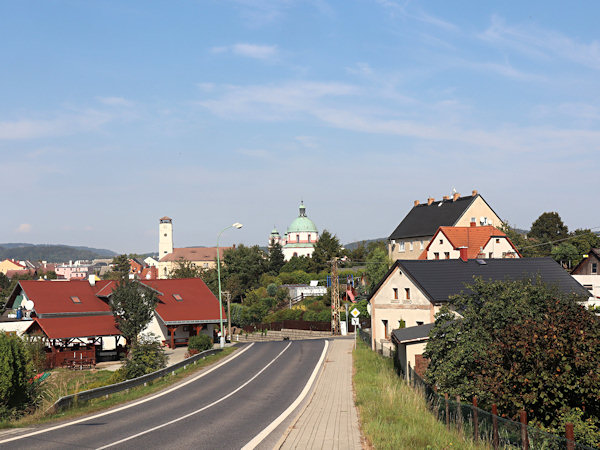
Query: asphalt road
223 409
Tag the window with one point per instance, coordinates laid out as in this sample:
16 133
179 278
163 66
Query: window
441 241
165 234
395 293
295 254
473 219
411 246
436 255
422 245
401 246
497 241
491 255
297 238
75 300
447 255
419 323
589 287
205 265
594 267
309 238
407 292
385 328
178 297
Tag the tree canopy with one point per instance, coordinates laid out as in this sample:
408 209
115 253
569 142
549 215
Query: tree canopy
185 269
378 264
327 247
520 344
242 269
133 306
276 258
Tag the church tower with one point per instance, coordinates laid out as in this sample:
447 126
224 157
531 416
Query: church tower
165 237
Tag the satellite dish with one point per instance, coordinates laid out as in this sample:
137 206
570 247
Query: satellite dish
29 305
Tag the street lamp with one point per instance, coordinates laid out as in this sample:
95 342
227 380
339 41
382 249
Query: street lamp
238 226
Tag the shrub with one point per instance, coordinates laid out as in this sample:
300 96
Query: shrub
146 356
199 343
16 369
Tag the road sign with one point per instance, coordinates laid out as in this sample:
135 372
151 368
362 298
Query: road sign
355 312
355 321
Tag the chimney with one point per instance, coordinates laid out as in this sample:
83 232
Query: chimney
416 202
474 193
463 253
92 280
430 200
445 197
473 224
455 197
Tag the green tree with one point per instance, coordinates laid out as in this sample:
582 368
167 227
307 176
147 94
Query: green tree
146 356
16 370
565 253
185 269
327 247
242 269
120 268
584 240
519 240
520 344
547 228
133 306
276 259
296 263
378 264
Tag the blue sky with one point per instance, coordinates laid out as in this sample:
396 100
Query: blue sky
116 113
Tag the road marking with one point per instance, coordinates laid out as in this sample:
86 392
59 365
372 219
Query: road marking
168 391
171 422
269 428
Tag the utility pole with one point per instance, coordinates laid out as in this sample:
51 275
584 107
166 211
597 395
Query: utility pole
228 297
335 298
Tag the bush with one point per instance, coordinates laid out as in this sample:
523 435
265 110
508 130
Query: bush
16 369
146 356
199 343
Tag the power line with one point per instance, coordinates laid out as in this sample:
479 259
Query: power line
558 240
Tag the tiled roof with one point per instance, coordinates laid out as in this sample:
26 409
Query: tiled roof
198 303
440 279
204 254
424 219
474 238
72 327
417 333
54 297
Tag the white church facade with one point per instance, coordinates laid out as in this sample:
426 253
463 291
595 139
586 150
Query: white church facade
300 238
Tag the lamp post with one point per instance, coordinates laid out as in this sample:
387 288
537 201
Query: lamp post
236 225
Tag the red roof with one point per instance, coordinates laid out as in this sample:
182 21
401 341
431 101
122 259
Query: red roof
198 302
73 327
206 254
55 297
474 238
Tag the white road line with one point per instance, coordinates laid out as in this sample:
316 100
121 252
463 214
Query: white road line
269 429
158 427
147 399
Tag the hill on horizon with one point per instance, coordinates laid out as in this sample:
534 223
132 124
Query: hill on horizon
51 253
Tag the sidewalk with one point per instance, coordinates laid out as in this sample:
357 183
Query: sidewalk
329 420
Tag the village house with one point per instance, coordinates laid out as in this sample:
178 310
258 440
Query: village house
11 264
170 257
413 291
75 318
588 275
414 233
477 242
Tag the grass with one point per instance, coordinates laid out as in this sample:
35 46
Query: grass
64 382
392 414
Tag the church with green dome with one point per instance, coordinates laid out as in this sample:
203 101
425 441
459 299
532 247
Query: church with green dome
300 238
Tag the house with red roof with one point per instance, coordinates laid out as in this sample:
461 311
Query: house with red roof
74 317
469 243
11 264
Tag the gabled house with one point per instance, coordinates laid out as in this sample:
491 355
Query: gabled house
474 242
76 315
11 264
413 234
587 272
413 291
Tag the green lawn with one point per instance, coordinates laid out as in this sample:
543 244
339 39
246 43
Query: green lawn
392 414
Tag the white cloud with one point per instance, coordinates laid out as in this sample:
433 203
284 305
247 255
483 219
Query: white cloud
24 228
255 51
404 10
541 43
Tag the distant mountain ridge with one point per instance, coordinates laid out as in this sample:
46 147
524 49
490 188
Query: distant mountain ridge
354 245
51 253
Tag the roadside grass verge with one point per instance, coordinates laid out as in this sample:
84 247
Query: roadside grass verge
74 382
392 415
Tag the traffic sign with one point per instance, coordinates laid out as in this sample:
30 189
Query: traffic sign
355 312
355 321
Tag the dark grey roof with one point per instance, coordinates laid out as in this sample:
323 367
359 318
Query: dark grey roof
440 279
424 220
420 332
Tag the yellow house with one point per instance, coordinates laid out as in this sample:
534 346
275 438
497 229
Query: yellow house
10 264
414 233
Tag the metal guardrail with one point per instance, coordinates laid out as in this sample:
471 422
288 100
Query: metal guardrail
69 400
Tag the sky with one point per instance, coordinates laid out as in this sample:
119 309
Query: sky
114 114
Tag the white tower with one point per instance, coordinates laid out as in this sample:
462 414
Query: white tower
165 237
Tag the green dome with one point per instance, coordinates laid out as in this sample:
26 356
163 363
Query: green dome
302 223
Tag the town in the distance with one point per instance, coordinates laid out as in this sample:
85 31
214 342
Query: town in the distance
461 302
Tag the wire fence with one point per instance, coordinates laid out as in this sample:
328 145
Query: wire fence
488 427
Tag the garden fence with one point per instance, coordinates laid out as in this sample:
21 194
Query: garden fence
482 425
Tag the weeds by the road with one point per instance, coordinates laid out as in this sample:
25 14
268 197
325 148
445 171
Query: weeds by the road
69 382
392 414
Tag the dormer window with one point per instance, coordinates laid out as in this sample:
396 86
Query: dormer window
75 299
178 297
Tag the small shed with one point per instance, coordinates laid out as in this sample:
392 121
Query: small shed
410 345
